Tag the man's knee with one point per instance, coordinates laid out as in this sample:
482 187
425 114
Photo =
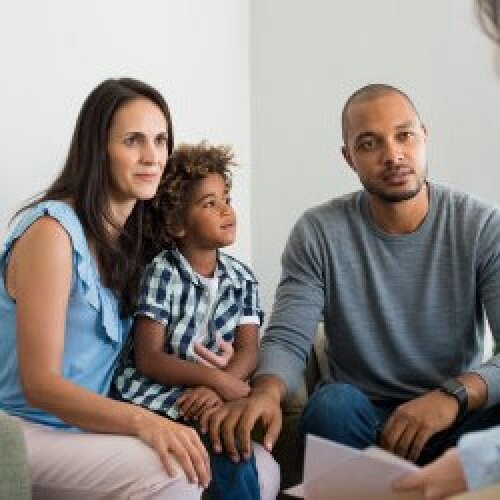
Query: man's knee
342 413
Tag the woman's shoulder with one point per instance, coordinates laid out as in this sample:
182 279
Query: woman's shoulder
49 218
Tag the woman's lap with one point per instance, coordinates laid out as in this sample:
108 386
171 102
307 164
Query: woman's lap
80 465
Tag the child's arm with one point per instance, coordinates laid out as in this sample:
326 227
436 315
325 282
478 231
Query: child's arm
153 362
246 351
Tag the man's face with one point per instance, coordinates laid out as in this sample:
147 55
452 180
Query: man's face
387 147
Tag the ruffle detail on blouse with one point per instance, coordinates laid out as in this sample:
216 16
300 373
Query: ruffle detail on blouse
95 294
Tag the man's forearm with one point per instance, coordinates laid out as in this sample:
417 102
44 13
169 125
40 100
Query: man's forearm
271 385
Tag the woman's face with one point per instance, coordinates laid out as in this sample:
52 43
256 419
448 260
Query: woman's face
137 153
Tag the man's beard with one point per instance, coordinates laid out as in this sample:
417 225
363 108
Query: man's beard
397 197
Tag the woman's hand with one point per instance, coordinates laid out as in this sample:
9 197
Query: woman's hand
168 438
196 401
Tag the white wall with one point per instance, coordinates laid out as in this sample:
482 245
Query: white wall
307 57
52 53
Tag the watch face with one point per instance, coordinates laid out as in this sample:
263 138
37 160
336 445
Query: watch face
453 386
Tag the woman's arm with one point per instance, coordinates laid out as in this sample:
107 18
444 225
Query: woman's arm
39 279
168 369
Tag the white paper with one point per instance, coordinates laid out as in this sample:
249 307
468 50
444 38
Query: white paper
336 472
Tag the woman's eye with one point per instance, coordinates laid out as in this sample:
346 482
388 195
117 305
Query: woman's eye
131 140
160 140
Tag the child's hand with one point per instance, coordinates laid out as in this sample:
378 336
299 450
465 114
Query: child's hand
228 386
215 360
194 402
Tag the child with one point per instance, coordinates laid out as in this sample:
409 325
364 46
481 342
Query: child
195 301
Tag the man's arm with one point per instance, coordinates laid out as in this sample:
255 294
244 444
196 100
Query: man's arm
413 423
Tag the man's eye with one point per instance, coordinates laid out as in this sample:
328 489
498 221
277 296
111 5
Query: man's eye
405 135
209 204
366 145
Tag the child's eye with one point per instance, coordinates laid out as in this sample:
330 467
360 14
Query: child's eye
209 204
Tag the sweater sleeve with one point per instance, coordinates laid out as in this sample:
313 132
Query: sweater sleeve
488 276
298 306
480 457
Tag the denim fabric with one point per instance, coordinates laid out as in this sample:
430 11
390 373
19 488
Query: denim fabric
230 480
342 413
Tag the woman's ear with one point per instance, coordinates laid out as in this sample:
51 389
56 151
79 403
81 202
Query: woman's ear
177 230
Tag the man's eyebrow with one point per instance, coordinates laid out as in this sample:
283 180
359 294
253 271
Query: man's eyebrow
406 124
364 135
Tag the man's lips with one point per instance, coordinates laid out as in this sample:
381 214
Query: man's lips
398 176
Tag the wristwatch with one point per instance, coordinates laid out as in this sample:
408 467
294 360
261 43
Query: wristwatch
453 387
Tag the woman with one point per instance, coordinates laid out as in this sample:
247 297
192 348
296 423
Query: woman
69 274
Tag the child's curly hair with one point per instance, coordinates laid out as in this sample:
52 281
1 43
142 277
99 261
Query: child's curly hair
187 165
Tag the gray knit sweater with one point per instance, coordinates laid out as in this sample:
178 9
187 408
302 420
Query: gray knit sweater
401 312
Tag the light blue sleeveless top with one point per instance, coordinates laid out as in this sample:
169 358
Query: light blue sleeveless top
94 331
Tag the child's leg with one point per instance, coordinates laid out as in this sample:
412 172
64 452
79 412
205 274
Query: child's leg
230 480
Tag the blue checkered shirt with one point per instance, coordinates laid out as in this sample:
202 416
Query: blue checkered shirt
173 294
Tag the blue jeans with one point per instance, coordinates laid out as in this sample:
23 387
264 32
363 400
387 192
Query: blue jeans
342 413
230 480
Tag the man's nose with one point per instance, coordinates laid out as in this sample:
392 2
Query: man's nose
392 154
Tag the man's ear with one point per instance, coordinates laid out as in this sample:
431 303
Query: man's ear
425 131
347 156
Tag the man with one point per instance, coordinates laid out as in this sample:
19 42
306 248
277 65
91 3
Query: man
400 273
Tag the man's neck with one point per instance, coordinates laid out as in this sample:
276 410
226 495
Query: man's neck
403 217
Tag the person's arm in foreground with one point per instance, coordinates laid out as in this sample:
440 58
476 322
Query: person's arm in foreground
39 276
440 479
474 464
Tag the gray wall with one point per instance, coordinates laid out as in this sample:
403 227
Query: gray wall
52 53
308 56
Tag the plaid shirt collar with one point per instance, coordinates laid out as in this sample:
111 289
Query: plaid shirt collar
224 271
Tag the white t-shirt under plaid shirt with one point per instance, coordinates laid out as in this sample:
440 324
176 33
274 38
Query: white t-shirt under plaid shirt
173 294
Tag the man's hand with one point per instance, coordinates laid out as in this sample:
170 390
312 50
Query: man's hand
413 423
440 479
233 422
196 401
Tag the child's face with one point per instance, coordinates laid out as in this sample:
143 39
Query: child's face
210 221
